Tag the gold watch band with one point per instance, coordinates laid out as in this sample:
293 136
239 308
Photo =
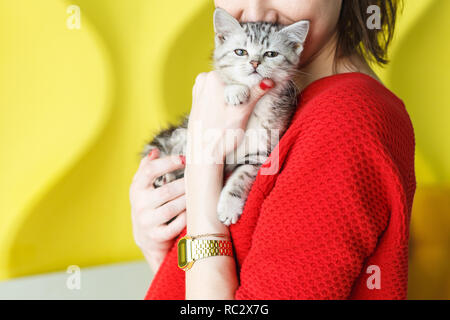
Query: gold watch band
203 248
190 250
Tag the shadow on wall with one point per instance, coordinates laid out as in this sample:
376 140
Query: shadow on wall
84 217
191 52
55 100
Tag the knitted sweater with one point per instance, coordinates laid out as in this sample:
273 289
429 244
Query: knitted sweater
333 222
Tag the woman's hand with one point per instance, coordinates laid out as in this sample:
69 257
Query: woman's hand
216 128
152 207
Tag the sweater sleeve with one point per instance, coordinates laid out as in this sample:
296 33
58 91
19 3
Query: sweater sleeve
326 211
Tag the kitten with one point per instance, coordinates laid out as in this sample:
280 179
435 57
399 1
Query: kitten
245 54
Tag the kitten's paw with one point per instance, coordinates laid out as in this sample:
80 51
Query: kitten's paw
236 94
164 179
229 208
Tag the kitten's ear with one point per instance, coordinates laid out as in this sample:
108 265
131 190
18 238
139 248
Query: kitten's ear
225 24
297 33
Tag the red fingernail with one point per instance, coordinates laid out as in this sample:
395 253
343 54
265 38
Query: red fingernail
183 159
265 86
150 153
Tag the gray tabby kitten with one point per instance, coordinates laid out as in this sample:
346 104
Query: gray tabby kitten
244 55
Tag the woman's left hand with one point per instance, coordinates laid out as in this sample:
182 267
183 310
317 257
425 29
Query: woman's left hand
213 123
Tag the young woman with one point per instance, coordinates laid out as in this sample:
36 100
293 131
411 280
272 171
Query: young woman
333 222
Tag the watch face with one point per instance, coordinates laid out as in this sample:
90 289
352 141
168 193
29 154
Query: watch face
182 250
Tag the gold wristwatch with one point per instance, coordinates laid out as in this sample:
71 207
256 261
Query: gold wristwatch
190 249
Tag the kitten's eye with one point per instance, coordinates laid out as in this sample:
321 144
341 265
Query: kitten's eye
271 54
240 52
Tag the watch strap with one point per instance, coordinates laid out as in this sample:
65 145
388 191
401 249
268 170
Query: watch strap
203 248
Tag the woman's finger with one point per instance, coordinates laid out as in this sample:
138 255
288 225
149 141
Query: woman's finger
159 167
173 229
153 168
140 179
258 91
170 209
167 192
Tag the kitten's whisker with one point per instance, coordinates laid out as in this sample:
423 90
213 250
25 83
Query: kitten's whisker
225 66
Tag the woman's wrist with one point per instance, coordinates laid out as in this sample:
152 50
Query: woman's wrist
201 205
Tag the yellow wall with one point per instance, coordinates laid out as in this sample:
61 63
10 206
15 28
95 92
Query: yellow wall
420 75
76 107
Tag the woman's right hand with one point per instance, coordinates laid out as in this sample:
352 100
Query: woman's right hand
152 208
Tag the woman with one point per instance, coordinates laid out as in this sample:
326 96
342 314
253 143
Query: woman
333 222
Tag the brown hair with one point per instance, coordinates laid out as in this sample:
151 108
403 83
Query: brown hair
355 37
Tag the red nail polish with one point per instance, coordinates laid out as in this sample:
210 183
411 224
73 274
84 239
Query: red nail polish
150 153
264 86
183 159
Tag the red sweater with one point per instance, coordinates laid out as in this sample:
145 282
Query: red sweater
341 202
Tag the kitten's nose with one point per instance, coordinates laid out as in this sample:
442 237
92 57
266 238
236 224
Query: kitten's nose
255 64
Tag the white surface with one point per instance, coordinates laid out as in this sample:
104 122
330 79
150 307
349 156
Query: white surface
126 281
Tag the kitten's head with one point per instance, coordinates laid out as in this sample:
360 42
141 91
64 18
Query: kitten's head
249 52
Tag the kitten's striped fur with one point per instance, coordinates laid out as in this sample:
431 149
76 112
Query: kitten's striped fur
273 111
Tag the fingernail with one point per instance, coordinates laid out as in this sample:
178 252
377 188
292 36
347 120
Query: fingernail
151 152
183 160
265 85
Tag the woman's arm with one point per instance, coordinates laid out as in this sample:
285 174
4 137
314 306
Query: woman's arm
213 277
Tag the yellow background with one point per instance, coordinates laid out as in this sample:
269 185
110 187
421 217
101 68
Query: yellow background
78 105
